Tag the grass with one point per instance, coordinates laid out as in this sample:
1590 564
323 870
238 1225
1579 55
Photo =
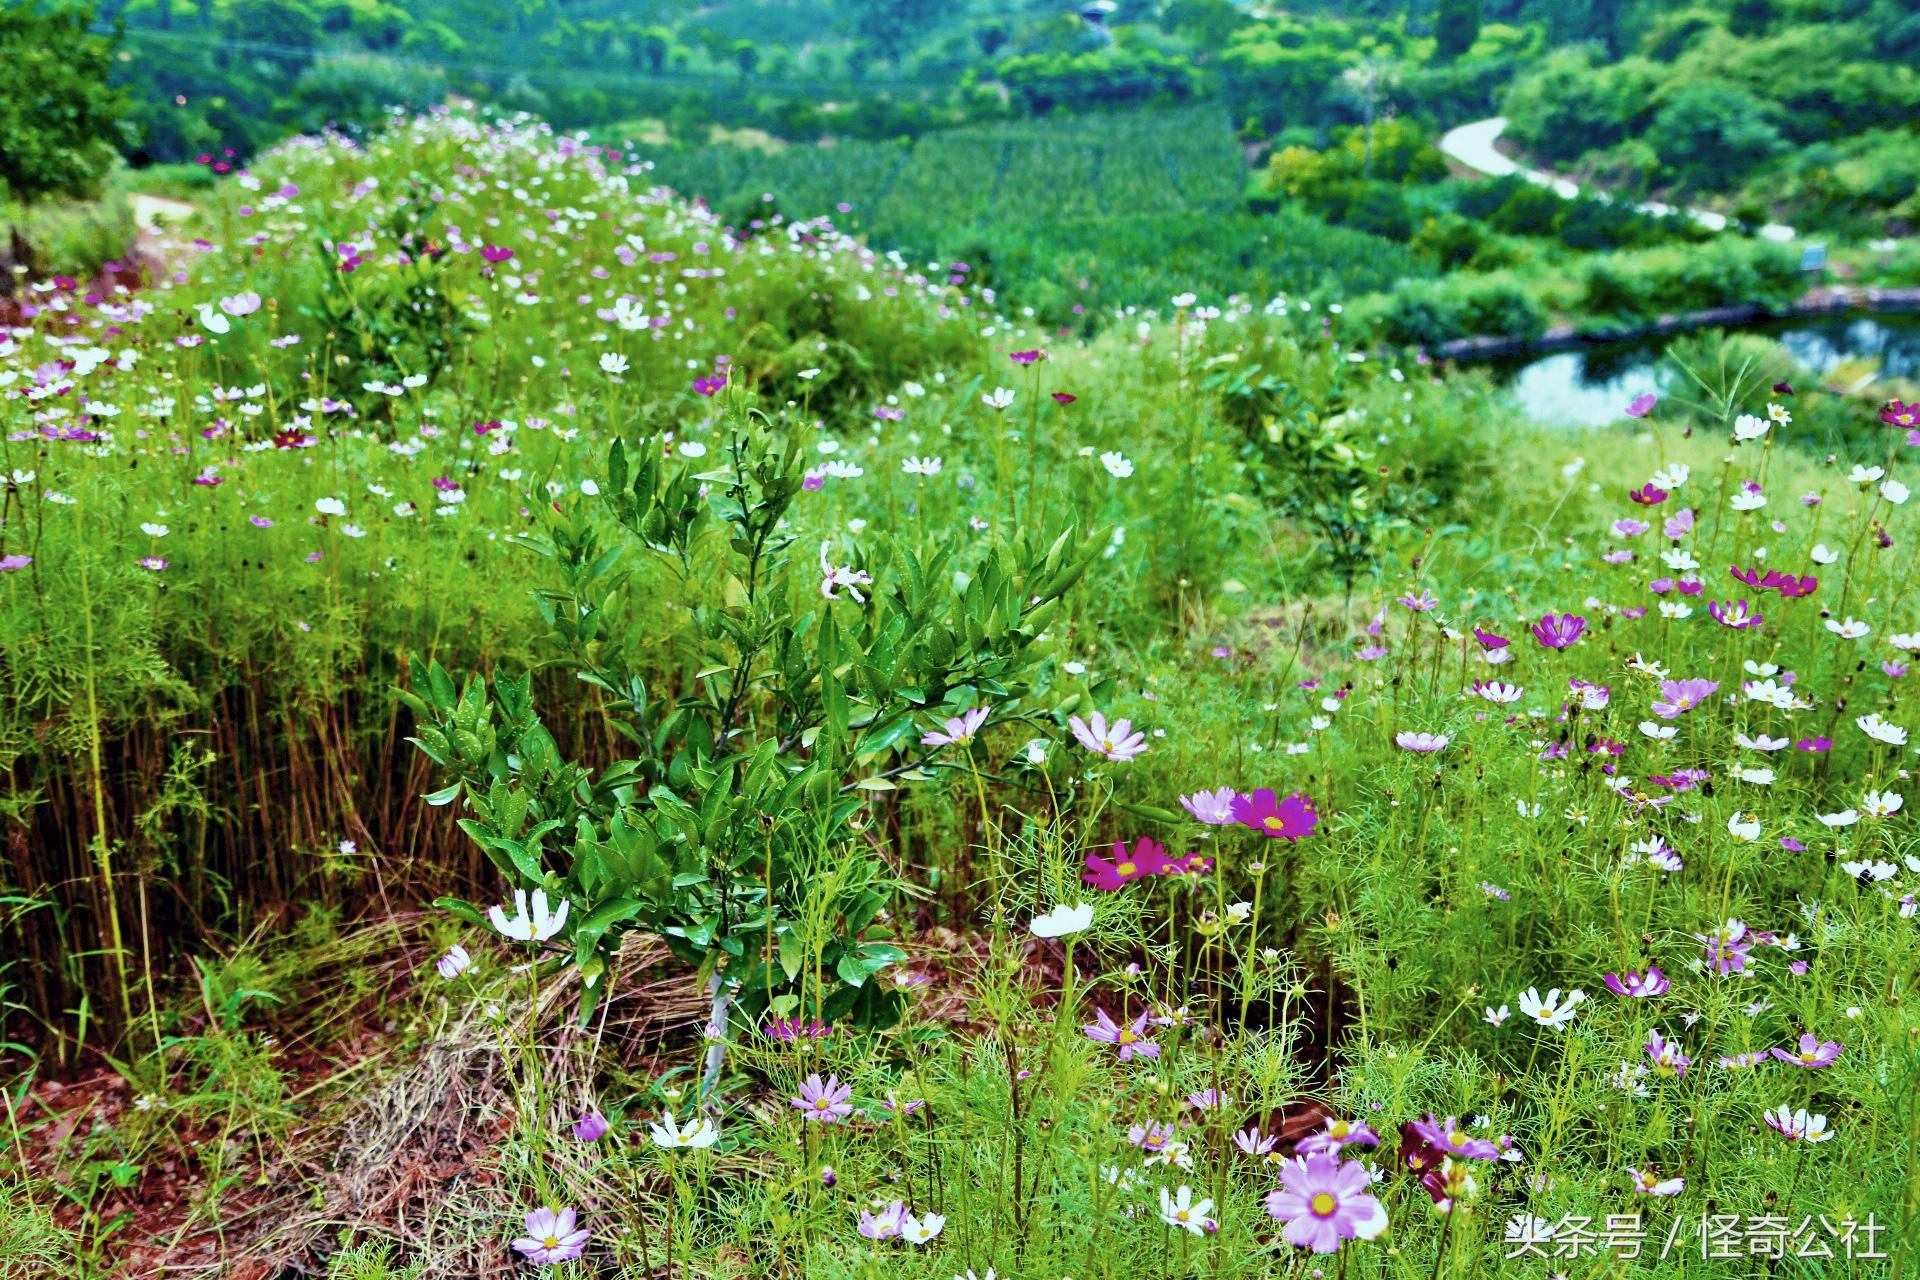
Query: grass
695 658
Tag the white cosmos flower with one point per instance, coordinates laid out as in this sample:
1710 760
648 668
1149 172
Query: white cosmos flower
1748 427
1675 609
1179 1210
1849 629
1551 1011
1494 1017
1117 465
613 363
922 1229
1063 920
1822 554
1672 476
1882 804
535 926
669 1136
1747 500
330 507
1844 818
154 530
1657 731
1744 826
1895 492
998 399
1866 475
1882 730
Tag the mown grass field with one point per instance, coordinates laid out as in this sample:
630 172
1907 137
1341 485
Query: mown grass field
539 735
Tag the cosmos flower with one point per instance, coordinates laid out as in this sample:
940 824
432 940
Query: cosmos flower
1550 1012
1812 1052
823 1101
1649 1183
1337 1135
535 926
1119 742
1425 1142
698 1136
1654 983
1290 819
1179 1210
1421 742
1215 808
552 1237
454 963
591 1127
959 730
1148 858
1063 920
1131 1039
1558 631
1798 1125
1324 1201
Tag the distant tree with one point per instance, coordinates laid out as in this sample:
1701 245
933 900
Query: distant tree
1710 135
891 28
1456 26
60 123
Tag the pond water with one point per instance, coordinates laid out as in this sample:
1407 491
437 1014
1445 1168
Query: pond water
1591 386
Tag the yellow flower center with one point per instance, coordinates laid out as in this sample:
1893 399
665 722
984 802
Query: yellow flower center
1340 1128
1456 1138
1323 1204
821 1104
552 1242
1126 1036
1181 1214
1272 823
1126 869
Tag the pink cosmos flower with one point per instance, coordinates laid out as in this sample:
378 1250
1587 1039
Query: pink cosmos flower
1649 1183
1642 405
1337 1134
959 730
1422 742
1324 1201
1666 1056
11 562
1250 1141
825 1101
1119 742
552 1237
1813 1053
591 1127
884 1225
1727 947
1129 1040
1288 819
1215 808
1680 696
791 1029
1149 858
1634 985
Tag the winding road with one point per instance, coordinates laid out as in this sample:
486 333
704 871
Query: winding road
1472 145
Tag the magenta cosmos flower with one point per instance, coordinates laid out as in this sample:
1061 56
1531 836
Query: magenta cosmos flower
552 1237
1421 742
591 1127
1813 1053
1324 1201
825 1102
1129 1040
1148 858
1424 1143
1654 983
1642 404
1118 741
959 731
1277 819
1558 630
